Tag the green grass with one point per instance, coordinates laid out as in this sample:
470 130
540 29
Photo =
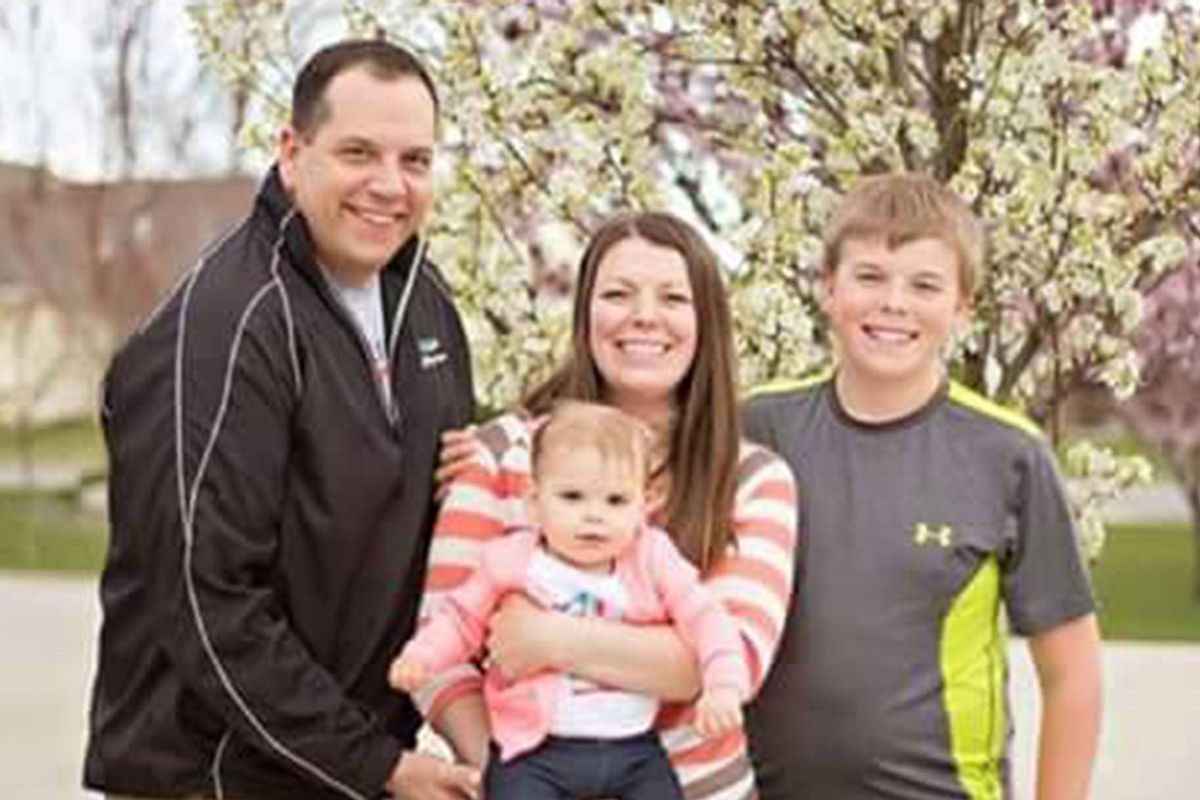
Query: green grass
1143 581
48 531
1143 578
77 445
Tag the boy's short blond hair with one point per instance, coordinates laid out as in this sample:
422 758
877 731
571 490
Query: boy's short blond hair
902 207
574 425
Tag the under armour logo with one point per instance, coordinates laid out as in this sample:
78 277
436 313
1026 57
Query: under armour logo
925 533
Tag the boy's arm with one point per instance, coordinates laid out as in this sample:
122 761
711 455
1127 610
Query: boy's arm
1067 658
1049 600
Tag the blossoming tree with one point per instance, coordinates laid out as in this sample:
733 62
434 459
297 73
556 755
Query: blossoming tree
1165 411
754 117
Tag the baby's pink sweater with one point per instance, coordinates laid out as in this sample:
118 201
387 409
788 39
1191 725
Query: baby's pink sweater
662 586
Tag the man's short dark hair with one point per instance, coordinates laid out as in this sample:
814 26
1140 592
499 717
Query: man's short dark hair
383 60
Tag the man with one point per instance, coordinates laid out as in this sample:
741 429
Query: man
272 433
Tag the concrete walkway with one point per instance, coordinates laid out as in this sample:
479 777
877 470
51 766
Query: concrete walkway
1156 503
48 631
1150 750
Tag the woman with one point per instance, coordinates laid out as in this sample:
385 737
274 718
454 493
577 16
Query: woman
652 336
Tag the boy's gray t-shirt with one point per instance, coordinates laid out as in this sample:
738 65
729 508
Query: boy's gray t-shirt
890 679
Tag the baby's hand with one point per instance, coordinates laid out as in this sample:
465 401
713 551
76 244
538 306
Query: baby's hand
407 675
719 710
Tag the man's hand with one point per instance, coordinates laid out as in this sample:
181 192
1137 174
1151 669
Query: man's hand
456 454
407 674
420 776
718 710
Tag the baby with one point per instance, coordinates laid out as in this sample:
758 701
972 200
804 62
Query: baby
589 554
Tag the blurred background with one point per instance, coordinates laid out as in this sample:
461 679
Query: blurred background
133 131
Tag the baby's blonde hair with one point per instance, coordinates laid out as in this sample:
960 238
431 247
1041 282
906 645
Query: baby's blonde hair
573 425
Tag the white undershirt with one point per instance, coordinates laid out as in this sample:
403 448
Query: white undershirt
365 304
586 709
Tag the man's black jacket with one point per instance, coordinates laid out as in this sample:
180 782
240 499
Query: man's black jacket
270 518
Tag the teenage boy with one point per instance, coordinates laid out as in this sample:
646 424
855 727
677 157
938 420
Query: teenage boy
925 509
272 433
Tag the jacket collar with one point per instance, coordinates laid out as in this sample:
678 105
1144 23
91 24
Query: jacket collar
276 204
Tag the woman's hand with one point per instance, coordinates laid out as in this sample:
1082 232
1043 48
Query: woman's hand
456 454
524 639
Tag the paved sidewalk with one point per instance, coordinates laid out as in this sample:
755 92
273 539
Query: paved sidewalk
1156 503
48 626
1150 746
40 476
48 630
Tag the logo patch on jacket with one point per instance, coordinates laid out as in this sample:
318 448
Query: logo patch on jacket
431 352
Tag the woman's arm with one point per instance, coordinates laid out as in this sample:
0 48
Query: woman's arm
753 582
651 659
463 724
479 505
1067 658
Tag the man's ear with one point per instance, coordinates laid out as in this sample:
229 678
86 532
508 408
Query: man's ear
285 155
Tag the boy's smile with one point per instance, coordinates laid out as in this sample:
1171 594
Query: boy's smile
892 310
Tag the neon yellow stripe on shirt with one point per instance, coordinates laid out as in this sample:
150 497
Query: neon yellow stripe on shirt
972 662
990 408
781 385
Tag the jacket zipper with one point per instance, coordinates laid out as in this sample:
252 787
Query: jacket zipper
387 400
393 410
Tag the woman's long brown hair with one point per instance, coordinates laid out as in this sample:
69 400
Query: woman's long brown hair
705 429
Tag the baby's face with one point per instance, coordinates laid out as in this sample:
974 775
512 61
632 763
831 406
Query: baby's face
589 508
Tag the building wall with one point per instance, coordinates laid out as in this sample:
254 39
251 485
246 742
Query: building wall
81 265
50 367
